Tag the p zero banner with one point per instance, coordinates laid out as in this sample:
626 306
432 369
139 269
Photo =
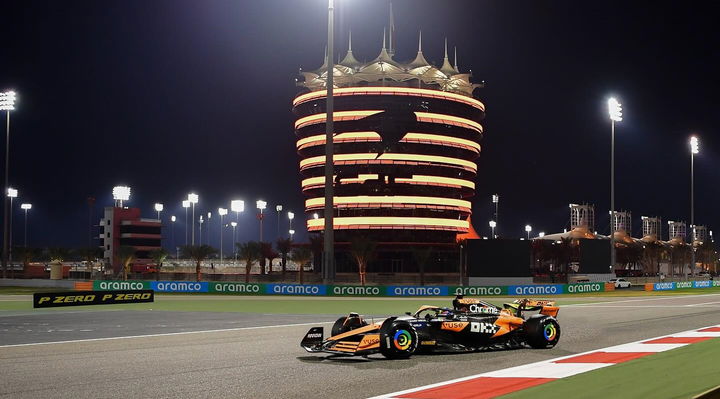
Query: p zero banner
356 290
179 286
295 289
418 290
478 291
238 288
120 285
79 298
536 289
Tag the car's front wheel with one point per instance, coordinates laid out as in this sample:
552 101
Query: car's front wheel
398 339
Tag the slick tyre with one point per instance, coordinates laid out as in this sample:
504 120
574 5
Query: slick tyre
345 324
542 332
398 339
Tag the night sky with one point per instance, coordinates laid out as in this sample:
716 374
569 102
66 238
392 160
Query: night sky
171 96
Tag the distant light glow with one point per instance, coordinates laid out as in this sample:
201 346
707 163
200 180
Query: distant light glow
173 218
492 223
278 208
694 145
495 198
158 207
528 228
291 215
614 109
237 205
121 193
541 234
186 204
222 211
26 206
193 198
260 204
291 231
233 224
209 215
316 216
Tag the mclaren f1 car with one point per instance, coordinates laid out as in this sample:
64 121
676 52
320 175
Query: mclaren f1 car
470 325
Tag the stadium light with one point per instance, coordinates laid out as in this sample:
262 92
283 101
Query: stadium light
26 208
120 194
7 104
492 224
186 205
194 199
615 113
261 205
158 208
694 149
528 229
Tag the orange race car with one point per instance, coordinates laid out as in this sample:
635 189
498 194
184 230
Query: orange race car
470 325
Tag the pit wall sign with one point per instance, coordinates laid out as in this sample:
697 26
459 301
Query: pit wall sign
81 298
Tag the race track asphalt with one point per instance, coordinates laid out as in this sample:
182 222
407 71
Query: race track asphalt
258 356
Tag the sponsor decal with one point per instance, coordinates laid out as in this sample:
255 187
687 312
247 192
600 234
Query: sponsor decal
77 298
402 340
101 285
417 291
484 328
356 290
179 286
550 332
702 284
585 287
237 288
684 284
313 335
369 341
456 326
296 289
420 324
427 342
663 286
479 291
483 309
546 289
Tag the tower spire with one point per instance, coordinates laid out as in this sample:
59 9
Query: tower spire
457 68
384 33
420 60
349 60
446 68
420 43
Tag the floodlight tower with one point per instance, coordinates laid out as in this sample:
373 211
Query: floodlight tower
615 113
694 149
234 225
528 229
492 228
496 201
261 205
26 208
12 194
173 219
186 205
193 199
158 208
291 216
222 212
120 194
278 209
7 104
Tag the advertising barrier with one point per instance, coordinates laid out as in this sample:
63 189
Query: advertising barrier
79 298
239 288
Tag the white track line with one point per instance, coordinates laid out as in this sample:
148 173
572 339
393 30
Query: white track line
165 334
665 297
541 364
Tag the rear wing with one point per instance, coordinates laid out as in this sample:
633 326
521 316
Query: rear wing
546 307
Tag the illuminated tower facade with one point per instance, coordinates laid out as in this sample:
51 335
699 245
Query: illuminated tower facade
406 139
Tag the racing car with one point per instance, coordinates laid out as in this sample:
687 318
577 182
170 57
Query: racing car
470 325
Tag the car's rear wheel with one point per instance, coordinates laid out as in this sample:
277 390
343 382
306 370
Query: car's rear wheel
347 323
542 332
398 339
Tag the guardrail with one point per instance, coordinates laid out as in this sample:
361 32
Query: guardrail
235 288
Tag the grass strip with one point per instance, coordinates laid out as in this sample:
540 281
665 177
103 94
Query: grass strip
678 373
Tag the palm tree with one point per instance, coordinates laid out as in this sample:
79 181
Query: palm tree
301 256
362 250
284 246
198 253
422 255
267 252
126 256
158 256
249 252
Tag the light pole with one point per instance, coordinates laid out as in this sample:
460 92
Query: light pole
7 104
261 205
528 229
26 208
328 267
194 199
173 219
186 205
200 230
291 216
222 212
292 232
496 201
694 149
492 228
120 194
278 209
158 209
11 193
237 206
615 112
207 232
234 225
